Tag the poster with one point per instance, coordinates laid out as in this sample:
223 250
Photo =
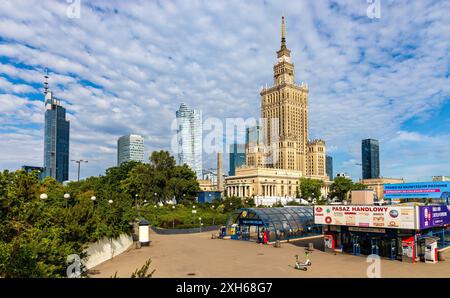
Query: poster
433 216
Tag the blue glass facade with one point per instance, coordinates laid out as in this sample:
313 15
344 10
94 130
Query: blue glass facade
56 141
329 167
237 157
370 152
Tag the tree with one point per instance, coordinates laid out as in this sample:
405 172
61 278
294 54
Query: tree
340 188
310 189
183 184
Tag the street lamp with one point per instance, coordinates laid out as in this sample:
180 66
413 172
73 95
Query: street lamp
43 196
79 161
67 197
173 218
93 198
200 221
110 202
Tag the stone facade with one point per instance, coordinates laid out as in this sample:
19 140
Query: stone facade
275 163
377 184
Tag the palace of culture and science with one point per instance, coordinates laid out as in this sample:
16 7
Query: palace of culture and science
281 153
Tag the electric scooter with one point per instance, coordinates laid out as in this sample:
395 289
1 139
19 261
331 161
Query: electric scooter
303 266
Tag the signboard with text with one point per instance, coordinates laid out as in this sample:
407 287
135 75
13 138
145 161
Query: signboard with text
396 217
433 216
419 190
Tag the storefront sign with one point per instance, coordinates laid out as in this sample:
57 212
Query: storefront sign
368 230
432 190
398 217
433 216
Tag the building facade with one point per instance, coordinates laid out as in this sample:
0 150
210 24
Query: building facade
370 152
284 110
237 157
267 182
56 139
39 170
278 151
130 148
377 185
440 178
189 138
329 167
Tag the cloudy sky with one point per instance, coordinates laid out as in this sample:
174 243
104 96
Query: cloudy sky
125 66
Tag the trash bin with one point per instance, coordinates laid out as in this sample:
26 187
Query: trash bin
144 232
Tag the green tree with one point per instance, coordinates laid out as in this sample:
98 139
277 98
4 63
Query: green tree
340 188
310 189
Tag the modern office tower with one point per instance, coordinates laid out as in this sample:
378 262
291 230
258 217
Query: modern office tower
39 170
254 148
189 138
329 167
370 151
237 157
130 148
284 108
56 138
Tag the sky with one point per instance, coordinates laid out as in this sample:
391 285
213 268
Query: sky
123 67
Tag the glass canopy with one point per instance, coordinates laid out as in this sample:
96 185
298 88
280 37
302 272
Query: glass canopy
282 223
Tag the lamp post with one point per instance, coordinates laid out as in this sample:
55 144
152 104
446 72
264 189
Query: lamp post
93 198
79 161
43 196
67 198
194 212
200 221
214 214
173 218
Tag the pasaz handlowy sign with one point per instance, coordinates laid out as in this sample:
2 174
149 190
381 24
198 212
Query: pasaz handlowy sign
401 217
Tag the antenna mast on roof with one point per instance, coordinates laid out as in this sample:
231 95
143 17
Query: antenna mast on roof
46 81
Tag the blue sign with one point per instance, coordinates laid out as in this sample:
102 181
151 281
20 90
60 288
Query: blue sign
419 190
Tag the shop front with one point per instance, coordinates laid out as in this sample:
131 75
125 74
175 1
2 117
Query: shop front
405 233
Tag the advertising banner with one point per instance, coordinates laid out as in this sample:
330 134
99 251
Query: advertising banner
400 217
433 216
419 190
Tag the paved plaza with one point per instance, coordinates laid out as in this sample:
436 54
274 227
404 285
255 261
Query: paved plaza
197 255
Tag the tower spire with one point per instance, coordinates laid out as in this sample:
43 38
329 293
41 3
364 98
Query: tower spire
283 33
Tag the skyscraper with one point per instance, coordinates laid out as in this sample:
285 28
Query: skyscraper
56 138
284 108
130 148
237 157
329 167
189 138
370 152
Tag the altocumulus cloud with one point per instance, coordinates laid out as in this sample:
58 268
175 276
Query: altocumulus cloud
125 66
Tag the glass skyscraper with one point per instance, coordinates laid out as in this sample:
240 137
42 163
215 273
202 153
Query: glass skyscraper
189 138
56 139
370 151
237 157
329 167
130 148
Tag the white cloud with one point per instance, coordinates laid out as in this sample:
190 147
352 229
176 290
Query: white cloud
125 67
